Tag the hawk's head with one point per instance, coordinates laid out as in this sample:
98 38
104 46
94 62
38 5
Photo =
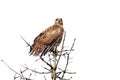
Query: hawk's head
59 21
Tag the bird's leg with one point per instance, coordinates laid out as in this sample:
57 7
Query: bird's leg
55 51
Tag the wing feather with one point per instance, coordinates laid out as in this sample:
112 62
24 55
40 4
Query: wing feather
45 41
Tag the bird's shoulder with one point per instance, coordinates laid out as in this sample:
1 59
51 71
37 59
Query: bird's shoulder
50 32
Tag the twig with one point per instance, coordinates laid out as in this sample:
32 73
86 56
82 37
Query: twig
65 50
20 75
45 77
66 71
46 68
11 68
68 56
61 50
64 78
46 63
72 45
71 72
49 58
25 41
35 70
30 75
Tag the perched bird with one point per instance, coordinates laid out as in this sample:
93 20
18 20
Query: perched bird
48 40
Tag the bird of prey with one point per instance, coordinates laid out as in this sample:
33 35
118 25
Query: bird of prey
48 40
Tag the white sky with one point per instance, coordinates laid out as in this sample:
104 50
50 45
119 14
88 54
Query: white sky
94 23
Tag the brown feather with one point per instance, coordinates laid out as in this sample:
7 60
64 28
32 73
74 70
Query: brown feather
47 40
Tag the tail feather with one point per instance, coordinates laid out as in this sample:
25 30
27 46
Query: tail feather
49 48
36 49
46 49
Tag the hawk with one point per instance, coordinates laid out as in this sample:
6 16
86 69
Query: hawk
48 40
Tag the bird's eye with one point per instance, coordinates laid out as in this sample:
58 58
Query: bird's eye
61 19
56 20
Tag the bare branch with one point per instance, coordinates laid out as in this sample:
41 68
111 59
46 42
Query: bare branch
36 71
25 41
49 58
11 68
30 75
64 78
45 77
68 57
71 72
65 50
61 49
46 69
20 75
72 45
46 63
52 61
